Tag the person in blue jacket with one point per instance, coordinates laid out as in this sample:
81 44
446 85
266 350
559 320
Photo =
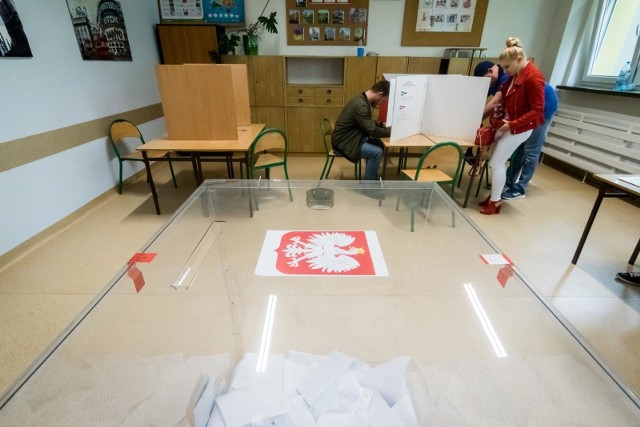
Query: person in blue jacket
525 158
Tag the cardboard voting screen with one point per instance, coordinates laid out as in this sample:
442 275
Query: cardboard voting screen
240 82
198 102
440 105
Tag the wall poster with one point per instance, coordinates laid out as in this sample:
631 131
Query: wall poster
327 22
100 30
443 22
221 12
445 15
180 10
13 40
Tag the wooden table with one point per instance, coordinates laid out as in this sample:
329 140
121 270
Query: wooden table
246 135
424 142
610 186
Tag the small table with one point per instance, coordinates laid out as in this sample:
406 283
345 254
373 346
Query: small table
610 186
427 141
246 135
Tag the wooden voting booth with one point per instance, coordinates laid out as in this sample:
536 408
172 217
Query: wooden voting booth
204 101
437 105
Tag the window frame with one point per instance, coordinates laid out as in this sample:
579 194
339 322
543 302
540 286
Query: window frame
596 36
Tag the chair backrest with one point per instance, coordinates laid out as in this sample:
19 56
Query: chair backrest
270 139
327 131
442 148
121 129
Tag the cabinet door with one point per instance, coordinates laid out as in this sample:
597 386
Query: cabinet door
304 128
174 44
459 66
360 74
391 64
268 78
272 117
187 44
423 65
243 59
202 39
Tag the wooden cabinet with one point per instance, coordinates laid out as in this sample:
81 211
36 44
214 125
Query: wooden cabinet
187 44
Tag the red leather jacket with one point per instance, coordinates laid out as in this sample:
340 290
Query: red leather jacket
523 101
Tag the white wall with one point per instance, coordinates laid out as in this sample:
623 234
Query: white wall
55 89
531 21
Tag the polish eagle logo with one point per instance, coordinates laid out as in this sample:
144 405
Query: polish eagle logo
329 252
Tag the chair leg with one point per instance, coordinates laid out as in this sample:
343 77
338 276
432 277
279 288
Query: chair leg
120 182
483 172
286 175
173 176
326 163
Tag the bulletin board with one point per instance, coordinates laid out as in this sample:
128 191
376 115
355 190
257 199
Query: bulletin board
327 22
444 22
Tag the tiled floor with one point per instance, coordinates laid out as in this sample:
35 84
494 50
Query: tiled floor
44 284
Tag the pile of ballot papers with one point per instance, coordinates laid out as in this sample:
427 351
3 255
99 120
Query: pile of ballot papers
309 390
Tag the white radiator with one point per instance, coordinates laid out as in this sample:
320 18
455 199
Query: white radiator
595 142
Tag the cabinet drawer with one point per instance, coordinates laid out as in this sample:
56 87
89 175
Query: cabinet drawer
322 92
299 91
300 100
328 101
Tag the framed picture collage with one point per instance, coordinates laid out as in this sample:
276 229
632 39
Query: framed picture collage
327 22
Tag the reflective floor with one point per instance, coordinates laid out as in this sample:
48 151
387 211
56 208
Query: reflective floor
45 284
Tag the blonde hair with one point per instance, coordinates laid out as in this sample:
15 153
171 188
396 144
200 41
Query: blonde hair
513 51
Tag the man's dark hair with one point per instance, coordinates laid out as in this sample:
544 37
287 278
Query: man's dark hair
381 86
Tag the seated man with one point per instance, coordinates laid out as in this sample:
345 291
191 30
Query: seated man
356 135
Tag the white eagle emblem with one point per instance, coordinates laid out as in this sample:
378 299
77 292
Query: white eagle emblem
325 251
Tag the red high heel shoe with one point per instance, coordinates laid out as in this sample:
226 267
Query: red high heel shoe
491 208
485 201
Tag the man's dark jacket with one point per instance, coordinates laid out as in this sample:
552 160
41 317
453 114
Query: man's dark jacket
353 124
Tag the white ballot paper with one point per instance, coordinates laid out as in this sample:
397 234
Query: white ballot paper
253 404
246 375
321 376
204 407
388 379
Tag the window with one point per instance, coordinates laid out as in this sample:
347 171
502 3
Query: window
616 40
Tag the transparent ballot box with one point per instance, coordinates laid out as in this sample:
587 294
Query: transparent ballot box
315 304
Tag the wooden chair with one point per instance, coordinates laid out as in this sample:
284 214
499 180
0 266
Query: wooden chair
121 129
327 131
426 172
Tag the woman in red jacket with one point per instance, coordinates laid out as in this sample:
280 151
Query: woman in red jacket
522 108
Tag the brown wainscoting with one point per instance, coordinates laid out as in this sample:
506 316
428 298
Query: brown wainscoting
22 151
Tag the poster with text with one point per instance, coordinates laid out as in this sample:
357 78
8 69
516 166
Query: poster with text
445 15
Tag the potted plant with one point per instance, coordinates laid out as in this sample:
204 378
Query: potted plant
250 35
